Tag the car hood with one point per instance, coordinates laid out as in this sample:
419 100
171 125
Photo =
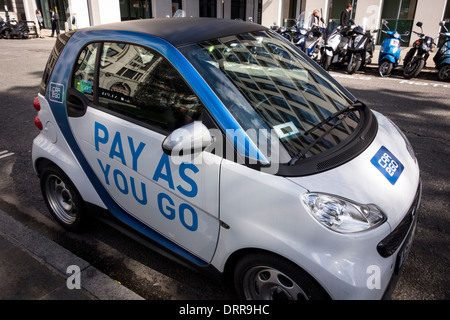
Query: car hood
362 180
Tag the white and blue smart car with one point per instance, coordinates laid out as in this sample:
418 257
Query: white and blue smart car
227 146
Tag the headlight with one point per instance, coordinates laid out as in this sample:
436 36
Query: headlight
342 215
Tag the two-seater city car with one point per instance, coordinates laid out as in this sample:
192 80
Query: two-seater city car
230 149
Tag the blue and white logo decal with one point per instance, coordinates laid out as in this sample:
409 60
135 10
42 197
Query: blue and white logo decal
387 164
56 92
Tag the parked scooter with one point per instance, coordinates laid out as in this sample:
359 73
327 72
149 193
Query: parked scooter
308 36
335 45
417 56
390 51
13 29
442 56
360 50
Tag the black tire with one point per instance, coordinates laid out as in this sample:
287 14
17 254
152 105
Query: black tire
444 73
62 199
408 56
7 34
413 68
385 69
354 64
263 276
326 61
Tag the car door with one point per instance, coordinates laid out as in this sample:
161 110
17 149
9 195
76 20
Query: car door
123 101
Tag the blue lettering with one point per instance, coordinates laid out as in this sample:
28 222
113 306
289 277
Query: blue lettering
194 223
194 190
105 170
97 128
164 163
124 188
117 143
135 153
142 201
171 211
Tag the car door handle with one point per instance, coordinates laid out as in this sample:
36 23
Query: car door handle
76 103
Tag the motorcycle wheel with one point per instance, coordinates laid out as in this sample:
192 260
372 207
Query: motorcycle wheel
385 69
444 73
7 34
325 61
408 57
354 64
413 68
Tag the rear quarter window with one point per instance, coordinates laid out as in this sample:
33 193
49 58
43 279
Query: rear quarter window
61 42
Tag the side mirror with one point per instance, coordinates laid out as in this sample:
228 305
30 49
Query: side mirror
189 139
419 24
442 23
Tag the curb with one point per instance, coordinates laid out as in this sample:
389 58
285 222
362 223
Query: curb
57 259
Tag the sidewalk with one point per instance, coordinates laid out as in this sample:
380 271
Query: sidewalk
33 267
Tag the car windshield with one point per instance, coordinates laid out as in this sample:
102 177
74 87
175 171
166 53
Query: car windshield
267 84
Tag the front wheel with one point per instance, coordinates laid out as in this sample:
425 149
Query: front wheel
413 68
385 68
444 73
354 64
262 276
62 198
325 61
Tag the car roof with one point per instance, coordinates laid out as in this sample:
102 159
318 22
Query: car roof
182 31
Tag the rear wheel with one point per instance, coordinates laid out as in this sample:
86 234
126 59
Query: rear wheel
62 198
385 68
444 73
262 276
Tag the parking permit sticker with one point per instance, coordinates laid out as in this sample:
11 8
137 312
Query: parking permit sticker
56 92
286 129
387 164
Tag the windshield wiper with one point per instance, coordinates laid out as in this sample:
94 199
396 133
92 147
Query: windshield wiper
357 105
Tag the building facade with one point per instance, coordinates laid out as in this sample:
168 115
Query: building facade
401 15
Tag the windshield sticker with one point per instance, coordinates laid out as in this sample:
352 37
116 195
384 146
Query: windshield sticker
56 92
387 164
286 129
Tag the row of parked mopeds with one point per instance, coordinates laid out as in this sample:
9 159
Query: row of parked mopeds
353 47
11 29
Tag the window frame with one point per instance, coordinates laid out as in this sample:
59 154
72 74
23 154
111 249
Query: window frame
95 98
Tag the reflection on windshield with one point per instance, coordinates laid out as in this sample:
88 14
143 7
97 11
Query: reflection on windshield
265 83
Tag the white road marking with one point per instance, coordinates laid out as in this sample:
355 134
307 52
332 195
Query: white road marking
5 153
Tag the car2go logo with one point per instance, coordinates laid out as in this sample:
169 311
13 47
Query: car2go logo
128 185
387 164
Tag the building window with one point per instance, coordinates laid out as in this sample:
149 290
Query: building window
336 7
400 17
238 8
135 9
208 8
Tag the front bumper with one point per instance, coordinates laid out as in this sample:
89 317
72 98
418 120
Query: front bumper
402 235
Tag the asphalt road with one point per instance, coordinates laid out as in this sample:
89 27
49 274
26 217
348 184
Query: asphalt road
420 107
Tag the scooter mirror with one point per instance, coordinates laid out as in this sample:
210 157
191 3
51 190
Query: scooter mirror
419 24
442 23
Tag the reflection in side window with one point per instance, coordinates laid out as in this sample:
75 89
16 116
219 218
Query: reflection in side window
142 85
84 71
